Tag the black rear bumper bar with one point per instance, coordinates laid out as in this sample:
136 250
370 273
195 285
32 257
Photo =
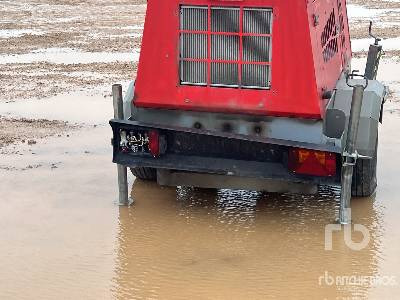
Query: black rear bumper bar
204 164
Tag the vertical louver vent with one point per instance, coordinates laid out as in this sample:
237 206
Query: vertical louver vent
225 46
329 38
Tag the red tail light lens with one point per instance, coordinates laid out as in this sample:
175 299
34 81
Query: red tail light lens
154 143
311 162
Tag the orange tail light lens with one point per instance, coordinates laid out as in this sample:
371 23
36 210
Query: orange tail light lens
311 162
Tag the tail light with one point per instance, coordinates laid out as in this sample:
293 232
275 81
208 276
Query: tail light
311 162
141 141
154 143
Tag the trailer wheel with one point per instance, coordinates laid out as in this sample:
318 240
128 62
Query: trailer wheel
364 176
144 173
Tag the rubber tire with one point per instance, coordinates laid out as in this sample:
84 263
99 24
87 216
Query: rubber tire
364 176
145 173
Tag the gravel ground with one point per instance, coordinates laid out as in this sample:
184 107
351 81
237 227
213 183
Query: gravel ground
44 79
27 131
386 24
68 28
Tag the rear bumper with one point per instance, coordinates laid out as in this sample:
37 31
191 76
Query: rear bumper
271 169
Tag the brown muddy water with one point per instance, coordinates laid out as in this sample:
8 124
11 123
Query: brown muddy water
64 237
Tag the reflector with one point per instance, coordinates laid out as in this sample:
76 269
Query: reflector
311 162
154 143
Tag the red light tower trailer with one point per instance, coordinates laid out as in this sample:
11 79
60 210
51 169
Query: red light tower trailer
253 94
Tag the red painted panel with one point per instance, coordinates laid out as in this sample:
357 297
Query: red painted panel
295 90
327 73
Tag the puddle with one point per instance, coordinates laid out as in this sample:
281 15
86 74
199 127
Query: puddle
235 244
83 107
358 45
63 244
63 223
74 108
361 12
389 70
388 74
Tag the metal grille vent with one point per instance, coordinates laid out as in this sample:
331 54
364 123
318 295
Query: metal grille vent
225 46
329 39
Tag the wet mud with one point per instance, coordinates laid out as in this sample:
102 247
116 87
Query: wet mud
21 130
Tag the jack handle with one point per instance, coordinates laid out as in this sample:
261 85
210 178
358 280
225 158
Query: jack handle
377 40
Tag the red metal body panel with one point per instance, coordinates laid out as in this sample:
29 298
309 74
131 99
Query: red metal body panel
327 73
299 74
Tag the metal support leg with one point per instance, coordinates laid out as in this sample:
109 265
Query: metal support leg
345 197
122 170
350 155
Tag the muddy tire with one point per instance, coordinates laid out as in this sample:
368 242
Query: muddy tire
145 173
364 176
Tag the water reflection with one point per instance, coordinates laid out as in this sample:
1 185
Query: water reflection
189 243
